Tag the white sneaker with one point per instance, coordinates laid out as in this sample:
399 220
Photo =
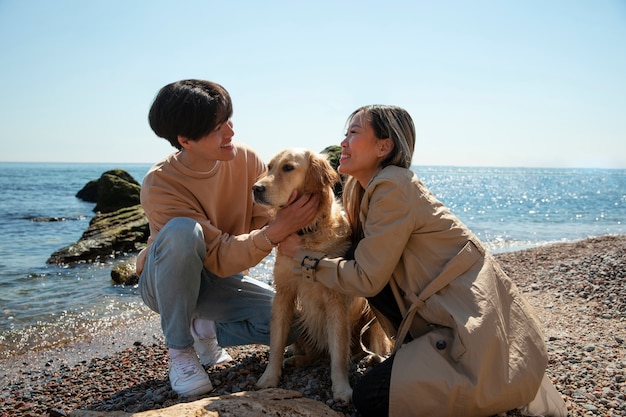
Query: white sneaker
208 350
187 376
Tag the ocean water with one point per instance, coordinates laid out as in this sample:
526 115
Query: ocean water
43 305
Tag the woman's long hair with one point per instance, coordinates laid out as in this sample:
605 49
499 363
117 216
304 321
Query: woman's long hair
391 122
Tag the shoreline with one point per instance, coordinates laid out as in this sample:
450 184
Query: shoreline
144 330
578 290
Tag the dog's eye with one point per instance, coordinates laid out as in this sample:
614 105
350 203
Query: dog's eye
288 167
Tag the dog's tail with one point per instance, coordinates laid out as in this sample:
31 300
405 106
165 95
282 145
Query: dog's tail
371 340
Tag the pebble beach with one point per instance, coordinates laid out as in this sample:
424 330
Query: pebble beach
578 290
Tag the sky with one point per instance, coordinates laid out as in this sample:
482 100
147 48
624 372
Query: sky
532 83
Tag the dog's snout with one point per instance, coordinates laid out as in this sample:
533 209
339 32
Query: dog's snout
258 191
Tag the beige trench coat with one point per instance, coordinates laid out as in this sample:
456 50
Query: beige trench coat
482 352
478 349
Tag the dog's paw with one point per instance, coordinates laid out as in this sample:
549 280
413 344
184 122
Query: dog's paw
268 380
343 394
295 349
372 359
298 361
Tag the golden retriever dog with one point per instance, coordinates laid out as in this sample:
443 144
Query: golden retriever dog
331 323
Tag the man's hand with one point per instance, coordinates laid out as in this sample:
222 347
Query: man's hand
293 217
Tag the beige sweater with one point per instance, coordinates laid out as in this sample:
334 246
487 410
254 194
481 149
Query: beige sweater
220 201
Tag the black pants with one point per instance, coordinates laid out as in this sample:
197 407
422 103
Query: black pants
370 395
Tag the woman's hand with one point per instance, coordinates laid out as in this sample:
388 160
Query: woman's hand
294 217
290 246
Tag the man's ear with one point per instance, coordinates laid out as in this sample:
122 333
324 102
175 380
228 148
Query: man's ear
183 141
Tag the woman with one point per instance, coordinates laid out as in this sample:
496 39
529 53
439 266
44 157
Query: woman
467 343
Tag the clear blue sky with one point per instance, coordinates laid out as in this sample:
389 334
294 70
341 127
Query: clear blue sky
538 83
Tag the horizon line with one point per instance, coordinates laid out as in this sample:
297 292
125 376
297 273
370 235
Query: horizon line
412 165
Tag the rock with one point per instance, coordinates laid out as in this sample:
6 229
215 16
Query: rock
108 235
120 225
125 273
90 191
49 219
333 153
115 191
268 402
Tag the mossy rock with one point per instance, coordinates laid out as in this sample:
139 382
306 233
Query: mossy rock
89 192
109 234
116 192
125 273
333 153
115 189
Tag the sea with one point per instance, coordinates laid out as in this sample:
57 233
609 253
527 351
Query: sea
44 306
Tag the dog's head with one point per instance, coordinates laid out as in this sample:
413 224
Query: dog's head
294 169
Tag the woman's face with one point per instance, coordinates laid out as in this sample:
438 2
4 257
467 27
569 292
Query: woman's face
361 150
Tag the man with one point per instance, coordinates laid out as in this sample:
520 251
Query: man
205 232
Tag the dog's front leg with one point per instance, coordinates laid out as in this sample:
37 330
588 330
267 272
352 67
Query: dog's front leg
339 348
282 319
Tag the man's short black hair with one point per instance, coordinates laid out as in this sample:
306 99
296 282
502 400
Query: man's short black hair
189 108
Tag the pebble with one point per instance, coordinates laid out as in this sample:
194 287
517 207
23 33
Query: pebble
578 290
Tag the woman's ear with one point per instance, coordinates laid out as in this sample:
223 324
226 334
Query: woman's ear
386 146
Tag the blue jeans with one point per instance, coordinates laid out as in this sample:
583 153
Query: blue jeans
175 284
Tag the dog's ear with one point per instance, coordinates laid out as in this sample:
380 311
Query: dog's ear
320 174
